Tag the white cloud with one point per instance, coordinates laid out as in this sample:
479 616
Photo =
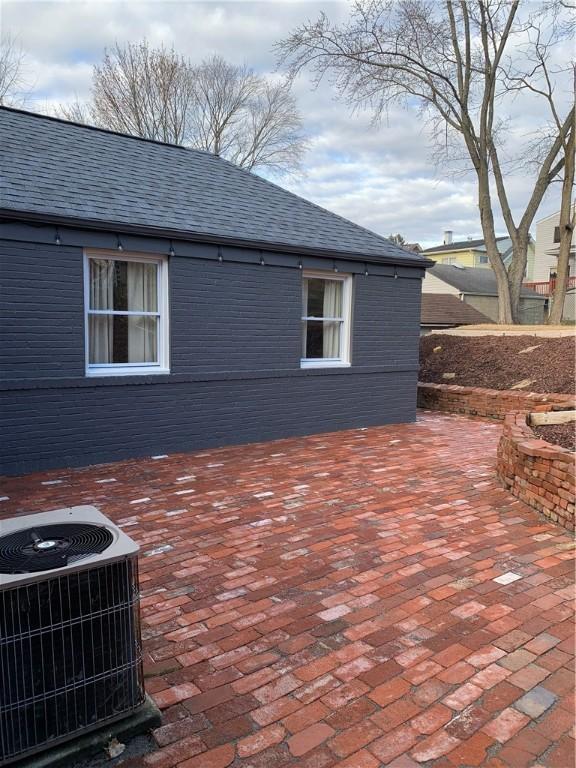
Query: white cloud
381 177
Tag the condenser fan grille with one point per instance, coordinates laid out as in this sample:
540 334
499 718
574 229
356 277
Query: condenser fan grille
46 547
70 655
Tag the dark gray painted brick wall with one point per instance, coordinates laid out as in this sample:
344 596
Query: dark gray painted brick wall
233 317
235 350
72 427
41 322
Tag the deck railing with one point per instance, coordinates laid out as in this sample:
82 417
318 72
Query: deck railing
547 288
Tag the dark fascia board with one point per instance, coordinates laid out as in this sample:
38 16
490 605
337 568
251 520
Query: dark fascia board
71 221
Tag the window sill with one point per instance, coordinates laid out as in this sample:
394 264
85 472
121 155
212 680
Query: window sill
95 372
323 364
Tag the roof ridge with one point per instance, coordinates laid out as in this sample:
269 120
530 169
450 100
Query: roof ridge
462 244
90 127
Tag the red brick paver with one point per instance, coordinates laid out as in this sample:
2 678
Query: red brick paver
357 599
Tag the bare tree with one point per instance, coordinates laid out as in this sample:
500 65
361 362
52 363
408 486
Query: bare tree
397 238
567 223
448 59
12 74
216 106
78 112
143 91
538 77
222 95
249 120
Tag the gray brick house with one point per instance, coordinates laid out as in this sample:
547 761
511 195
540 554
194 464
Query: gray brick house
159 299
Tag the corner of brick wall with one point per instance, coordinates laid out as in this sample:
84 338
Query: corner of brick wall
488 403
537 472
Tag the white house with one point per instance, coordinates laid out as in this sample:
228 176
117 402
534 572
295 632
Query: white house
547 246
546 261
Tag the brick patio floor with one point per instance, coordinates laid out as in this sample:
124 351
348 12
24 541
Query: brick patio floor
361 599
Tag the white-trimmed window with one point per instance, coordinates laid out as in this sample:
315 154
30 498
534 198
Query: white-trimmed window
126 306
326 319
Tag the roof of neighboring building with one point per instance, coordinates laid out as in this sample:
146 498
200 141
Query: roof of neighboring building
51 169
473 280
553 215
446 309
461 245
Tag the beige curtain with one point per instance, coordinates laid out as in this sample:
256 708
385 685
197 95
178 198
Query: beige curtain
332 308
142 295
137 332
100 327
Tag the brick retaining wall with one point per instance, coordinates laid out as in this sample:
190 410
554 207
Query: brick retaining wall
537 472
488 403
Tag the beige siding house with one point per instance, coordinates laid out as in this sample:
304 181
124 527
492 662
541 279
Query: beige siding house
472 253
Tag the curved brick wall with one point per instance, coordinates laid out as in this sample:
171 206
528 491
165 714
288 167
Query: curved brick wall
488 403
536 472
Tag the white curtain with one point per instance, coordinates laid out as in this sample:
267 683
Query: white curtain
101 297
332 308
142 295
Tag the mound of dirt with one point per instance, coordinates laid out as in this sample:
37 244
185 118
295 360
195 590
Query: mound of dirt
527 363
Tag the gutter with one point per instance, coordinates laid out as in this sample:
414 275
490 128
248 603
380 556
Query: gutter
176 234
495 295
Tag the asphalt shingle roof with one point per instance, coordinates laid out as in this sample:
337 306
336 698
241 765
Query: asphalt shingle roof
446 309
52 168
478 280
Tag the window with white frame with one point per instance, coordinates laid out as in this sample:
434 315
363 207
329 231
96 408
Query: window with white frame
326 313
126 302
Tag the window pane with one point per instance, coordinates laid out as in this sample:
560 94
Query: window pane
101 284
122 339
142 286
123 285
321 339
324 298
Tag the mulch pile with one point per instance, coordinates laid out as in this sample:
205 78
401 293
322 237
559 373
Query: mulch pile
497 362
559 434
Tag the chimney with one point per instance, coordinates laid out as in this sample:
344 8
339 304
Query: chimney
447 237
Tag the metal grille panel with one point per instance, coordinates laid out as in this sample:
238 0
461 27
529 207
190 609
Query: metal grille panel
70 656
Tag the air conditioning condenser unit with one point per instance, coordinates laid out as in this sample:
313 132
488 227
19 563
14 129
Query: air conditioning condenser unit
70 646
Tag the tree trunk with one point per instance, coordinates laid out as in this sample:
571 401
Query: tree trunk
517 271
506 309
566 223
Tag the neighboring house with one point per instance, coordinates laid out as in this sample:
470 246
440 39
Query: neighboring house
547 247
445 310
477 287
160 299
546 261
472 253
569 314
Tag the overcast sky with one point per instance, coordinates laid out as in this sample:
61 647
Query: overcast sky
381 177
